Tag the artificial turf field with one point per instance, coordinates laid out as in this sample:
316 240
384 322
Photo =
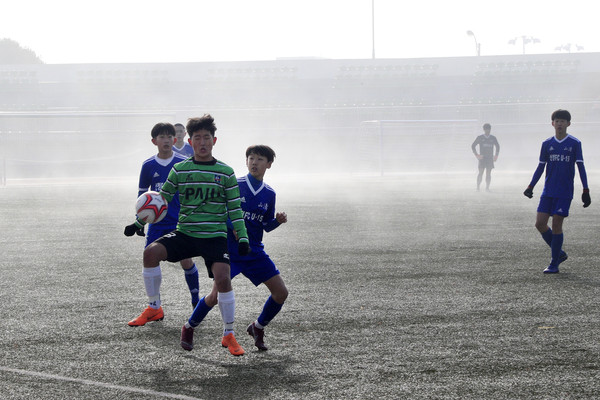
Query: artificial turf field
400 287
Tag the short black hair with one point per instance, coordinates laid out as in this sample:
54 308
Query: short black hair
261 150
162 127
561 114
487 126
196 124
179 124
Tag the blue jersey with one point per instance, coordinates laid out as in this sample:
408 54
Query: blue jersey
560 157
258 206
152 176
187 150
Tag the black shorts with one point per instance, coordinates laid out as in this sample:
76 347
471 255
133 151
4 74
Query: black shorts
181 246
486 163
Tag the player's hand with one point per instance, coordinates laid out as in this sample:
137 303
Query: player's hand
479 156
243 248
528 192
281 217
140 232
495 158
130 230
585 197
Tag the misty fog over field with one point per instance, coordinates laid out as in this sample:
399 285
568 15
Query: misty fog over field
322 117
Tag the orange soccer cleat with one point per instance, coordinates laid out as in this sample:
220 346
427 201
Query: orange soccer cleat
232 344
149 314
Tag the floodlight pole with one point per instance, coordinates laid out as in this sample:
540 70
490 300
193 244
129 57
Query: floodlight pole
380 148
373 26
477 44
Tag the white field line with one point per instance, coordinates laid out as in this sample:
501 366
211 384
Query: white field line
99 384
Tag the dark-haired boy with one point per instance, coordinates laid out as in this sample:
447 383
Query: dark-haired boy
258 204
181 146
558 157
486 155
209 194
153 174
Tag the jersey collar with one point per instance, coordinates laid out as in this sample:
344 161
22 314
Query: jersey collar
254 184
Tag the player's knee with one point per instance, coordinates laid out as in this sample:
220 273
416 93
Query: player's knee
211 299
187 263
223 283
280 295
541 226
153 255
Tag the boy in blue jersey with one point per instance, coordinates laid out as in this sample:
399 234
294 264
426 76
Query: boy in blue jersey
181 146
258 206
558 157
152 177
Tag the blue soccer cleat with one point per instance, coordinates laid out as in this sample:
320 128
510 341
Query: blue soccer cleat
563 257
552 269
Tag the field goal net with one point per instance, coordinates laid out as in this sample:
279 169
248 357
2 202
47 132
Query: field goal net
402 146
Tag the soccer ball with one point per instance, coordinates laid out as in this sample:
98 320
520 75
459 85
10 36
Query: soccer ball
151 207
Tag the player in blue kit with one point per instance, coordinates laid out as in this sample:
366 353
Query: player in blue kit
486 155
558 157
152 177
258 206
181 146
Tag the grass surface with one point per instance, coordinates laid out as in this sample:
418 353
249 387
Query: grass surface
400 287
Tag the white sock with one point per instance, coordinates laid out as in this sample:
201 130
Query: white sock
227 307
152 280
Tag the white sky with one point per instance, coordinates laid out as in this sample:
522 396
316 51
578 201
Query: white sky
124 31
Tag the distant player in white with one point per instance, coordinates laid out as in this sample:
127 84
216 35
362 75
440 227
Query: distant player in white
558 156
153 175
486 156
181 145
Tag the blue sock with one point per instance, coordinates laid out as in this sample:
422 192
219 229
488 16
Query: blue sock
191 278
557 242
547 236
270 310
199 313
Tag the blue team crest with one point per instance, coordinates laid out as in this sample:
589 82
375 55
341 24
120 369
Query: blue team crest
218 179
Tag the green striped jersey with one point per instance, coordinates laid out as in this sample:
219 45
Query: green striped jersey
208 193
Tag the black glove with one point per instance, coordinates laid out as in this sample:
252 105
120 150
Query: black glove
130 230
243 248
585 197
528 192
140 232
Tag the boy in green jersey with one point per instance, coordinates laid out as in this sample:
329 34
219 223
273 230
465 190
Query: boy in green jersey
208 193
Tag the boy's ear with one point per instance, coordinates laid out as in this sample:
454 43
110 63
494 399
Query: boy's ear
154 141
215 140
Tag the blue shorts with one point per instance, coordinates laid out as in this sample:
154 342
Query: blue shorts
257 270
157 230
554 206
